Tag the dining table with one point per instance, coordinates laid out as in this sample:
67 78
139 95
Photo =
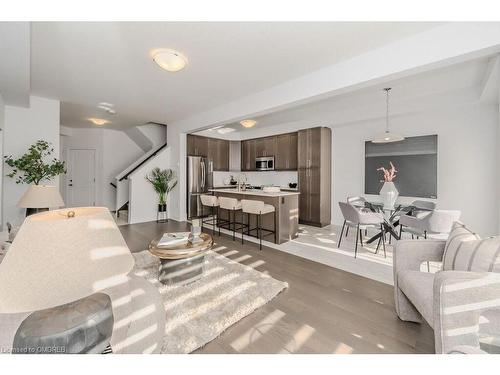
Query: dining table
391 216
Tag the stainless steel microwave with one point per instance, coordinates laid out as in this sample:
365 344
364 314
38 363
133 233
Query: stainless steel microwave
264 163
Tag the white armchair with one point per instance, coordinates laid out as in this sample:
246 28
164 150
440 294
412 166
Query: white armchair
461 306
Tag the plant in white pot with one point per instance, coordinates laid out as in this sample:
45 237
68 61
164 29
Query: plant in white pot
388 193
163 181
34 168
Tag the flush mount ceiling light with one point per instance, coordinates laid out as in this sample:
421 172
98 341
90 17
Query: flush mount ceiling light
169 59
387 137
98 121
248 123
225 130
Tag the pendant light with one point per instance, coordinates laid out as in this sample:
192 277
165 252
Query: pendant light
387 137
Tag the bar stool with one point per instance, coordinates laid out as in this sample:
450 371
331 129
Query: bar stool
231 205
258 208
212 202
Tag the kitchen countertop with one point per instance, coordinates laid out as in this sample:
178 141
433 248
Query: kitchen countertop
254 192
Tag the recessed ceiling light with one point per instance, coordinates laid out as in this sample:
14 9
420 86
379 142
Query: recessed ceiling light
215 128
248 123
107 107
98 121
169 59
225 130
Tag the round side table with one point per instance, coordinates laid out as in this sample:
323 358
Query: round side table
181 264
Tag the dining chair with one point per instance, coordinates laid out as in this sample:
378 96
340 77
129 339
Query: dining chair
436 222
426 205
360 220
417 208
358 201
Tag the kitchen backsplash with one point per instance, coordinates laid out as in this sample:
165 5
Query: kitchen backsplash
281 178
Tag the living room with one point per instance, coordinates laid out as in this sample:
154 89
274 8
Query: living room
235 188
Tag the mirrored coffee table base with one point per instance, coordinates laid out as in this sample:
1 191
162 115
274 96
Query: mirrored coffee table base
181 264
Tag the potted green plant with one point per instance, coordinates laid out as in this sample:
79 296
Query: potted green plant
34 168
163 181
31 168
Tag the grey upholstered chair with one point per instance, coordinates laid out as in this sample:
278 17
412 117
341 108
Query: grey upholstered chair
461 302
427 205
436 222
357 199
358 202
360 220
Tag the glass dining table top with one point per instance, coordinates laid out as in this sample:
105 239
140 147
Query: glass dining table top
379 206
391 214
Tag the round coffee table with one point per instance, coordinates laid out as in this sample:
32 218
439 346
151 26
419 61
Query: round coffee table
181 263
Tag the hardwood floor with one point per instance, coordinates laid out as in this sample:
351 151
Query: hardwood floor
324 310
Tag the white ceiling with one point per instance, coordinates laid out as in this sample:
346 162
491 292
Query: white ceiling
83 64
15 62
452 85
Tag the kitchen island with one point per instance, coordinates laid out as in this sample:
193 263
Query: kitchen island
286 205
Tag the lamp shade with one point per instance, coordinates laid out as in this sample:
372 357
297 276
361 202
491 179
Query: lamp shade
388 137
41 196
56 259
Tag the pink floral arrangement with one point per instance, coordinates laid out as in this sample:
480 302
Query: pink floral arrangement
390 174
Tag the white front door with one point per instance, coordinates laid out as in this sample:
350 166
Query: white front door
81 178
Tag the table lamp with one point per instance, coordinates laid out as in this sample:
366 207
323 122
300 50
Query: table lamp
60 256
40 198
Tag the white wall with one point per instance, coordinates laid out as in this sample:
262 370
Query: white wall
156 133
114 152
118 152
143 200
467 162
2 120
22 128
498 150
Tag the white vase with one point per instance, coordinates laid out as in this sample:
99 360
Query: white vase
389 194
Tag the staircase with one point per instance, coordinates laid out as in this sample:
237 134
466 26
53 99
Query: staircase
122 182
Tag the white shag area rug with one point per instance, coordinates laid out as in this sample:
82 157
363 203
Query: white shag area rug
198 313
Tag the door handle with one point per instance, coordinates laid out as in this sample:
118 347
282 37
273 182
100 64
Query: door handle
70 184
202 164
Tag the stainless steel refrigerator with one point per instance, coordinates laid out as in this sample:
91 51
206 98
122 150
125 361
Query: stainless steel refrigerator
199 180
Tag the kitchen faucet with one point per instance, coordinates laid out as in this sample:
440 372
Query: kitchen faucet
240 179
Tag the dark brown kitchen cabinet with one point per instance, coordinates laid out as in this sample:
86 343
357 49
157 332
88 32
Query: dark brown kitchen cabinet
197 146
270 146
259 147
215 150
201 146
248 154
265 146
282 147
286 152
222 163
244 156
190 145
218 154
314 172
